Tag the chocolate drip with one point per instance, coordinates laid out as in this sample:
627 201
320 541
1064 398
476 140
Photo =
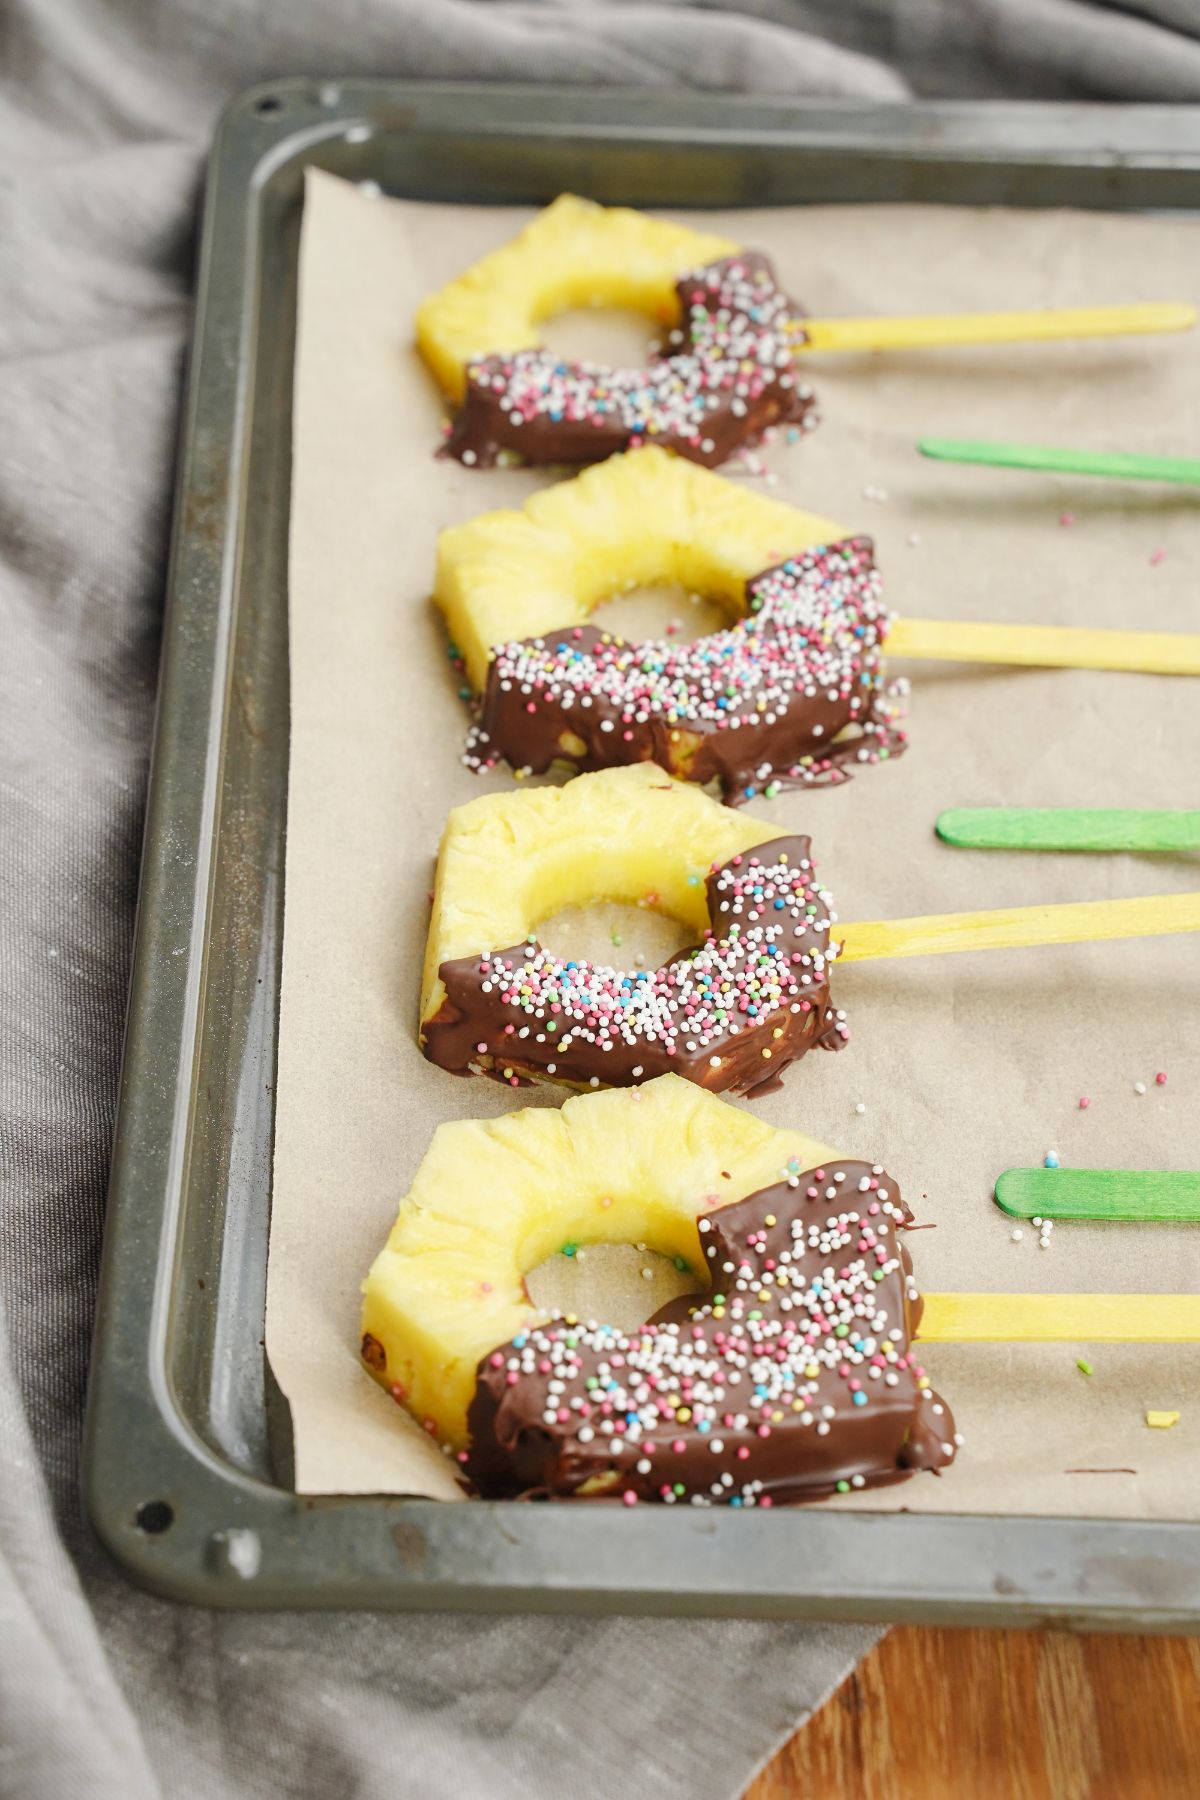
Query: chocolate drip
802 667
723 378
778 940
787 1382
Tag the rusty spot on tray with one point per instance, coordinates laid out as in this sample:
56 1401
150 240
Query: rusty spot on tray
410 1542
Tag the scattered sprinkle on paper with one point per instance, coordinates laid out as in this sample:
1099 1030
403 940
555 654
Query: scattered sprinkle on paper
1067 518
1162 1421
1083 1365
1050 1160
1156 556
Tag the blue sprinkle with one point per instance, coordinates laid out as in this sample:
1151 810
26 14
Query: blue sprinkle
1051 1160
860 1399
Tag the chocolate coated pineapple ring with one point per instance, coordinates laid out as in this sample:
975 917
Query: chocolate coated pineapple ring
791 1377
749 998
724 374
788 693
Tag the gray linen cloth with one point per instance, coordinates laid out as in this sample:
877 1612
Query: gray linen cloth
105 110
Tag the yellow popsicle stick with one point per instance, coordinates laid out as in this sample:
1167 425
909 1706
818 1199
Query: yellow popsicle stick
1020 927
931 331
1046 646
1060 1319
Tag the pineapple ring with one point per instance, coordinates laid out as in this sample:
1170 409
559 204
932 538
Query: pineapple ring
493 1198
732 1013
785 1381
726 375
760 701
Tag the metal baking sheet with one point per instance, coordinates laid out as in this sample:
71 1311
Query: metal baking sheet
187 1447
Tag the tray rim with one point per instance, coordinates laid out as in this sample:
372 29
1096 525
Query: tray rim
239 1541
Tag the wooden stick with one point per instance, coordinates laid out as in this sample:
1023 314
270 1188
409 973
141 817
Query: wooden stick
1062 828
1060 1319
932 331
1120 465
1142 1195
1046 646
1020 927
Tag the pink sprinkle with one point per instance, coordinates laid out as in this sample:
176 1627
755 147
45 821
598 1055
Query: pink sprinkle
629 1497
1084 1103
1066 518
679 1446
1156 556
1161 1079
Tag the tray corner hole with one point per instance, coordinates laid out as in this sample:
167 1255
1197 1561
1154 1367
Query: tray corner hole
154 1517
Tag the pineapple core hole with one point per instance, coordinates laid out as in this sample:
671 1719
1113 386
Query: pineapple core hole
615 935
665 612
617 336
614 1284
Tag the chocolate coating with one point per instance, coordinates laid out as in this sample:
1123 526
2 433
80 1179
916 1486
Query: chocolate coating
723 377
787 1382
764 701
731 1013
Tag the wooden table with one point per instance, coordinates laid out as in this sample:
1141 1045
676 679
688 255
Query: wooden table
989 1715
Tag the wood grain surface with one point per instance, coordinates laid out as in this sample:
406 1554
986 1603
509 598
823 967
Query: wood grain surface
989 1715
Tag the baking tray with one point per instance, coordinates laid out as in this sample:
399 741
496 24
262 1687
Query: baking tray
187 1447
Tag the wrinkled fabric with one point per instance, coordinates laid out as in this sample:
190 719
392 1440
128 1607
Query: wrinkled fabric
106 107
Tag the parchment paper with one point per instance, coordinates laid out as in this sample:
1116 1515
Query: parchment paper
965 1065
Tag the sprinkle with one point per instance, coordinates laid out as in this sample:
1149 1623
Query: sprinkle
859 1107
1066 518
1084 1102
1050 1160
1139 1087
1160 1080
1082 1364
1157 556
1162 1421
1017 1235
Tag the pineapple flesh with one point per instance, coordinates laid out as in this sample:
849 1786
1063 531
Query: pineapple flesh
575 253
509 860
494 1198
635 520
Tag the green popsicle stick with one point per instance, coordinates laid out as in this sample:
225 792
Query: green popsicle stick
1143 1195
1061 828
1124 466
